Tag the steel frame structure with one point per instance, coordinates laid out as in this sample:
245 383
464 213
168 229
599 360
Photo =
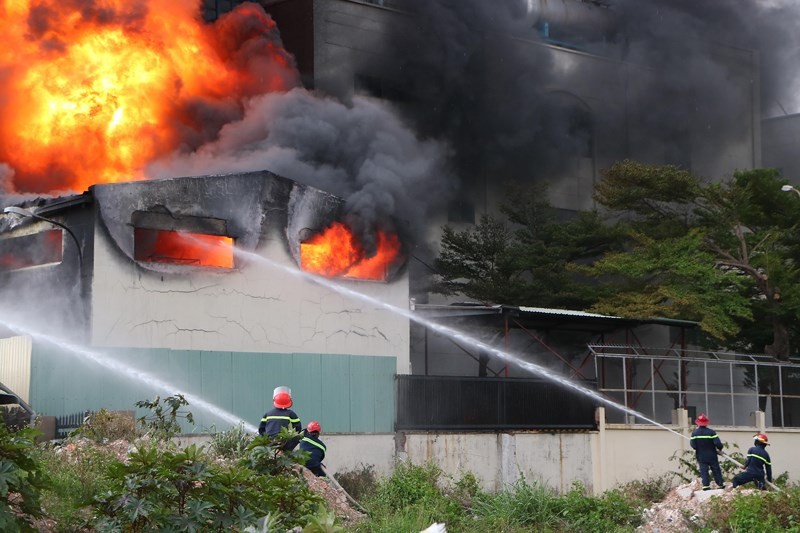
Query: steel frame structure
655 358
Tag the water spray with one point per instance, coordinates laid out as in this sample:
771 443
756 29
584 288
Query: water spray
117 366
458 335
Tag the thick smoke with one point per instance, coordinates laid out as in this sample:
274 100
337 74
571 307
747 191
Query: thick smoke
683 36
361 152
499 100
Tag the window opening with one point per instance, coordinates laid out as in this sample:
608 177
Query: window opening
43 248
184 248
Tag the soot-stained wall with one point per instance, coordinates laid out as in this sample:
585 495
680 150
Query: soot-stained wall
261 305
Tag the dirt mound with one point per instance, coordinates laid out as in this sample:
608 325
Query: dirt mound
683 508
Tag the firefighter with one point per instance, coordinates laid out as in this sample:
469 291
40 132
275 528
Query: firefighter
757 463
315 447
280 416
707 445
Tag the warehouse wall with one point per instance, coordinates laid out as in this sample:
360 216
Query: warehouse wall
347 394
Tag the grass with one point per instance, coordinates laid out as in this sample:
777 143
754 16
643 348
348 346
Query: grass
415 496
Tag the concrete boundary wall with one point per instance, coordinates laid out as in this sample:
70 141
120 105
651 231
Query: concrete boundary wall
601 460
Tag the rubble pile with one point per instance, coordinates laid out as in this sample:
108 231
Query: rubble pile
682 509
335 497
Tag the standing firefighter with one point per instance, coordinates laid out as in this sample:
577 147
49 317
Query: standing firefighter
280 416
314 447
758 461
707 446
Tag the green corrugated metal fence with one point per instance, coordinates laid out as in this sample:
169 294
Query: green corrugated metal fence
345 393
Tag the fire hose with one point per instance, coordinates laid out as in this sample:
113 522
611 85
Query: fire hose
332 481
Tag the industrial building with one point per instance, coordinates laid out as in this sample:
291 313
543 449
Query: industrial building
392 371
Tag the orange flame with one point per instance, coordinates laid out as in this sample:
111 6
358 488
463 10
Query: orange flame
336 253
163 246
93 91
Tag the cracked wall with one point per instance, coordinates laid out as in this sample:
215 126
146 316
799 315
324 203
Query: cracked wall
256 307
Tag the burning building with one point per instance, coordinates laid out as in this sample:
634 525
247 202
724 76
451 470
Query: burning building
198 281
379 122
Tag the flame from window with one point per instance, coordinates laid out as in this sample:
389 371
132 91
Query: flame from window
335 252
183 248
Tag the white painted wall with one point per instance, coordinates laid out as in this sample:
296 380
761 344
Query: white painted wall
15 365
255 308
600 460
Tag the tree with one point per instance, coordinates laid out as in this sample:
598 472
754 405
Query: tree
725 254
519 256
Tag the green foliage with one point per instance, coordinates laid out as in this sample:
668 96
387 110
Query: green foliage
411 499
477 262
723 254
649 491
673 278
73 480
267 455
22 479
519 258
408 485
105 426
614 510
358 483
760 511
163 422
324 522
185 490
525 505
231 443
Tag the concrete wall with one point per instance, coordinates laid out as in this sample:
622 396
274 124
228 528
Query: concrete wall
262 305
601 460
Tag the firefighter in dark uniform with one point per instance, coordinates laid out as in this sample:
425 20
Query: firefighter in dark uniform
757 463
707 445
280 416
315 447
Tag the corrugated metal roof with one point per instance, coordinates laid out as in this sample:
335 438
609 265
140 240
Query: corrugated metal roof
543 314
563 312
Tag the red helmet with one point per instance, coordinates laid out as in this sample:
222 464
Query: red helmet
313 426
701 420
282 397
761 438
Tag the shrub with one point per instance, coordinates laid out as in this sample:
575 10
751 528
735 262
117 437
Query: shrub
611 511
524 504
649 490
21 479
164 489
760 511
408 485
164 425
231 444
358 483
410 500
74 481
104 426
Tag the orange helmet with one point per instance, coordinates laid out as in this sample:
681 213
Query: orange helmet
313 426
762 438
282 397
701 420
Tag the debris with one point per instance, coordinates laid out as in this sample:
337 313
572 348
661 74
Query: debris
683 507
335 496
